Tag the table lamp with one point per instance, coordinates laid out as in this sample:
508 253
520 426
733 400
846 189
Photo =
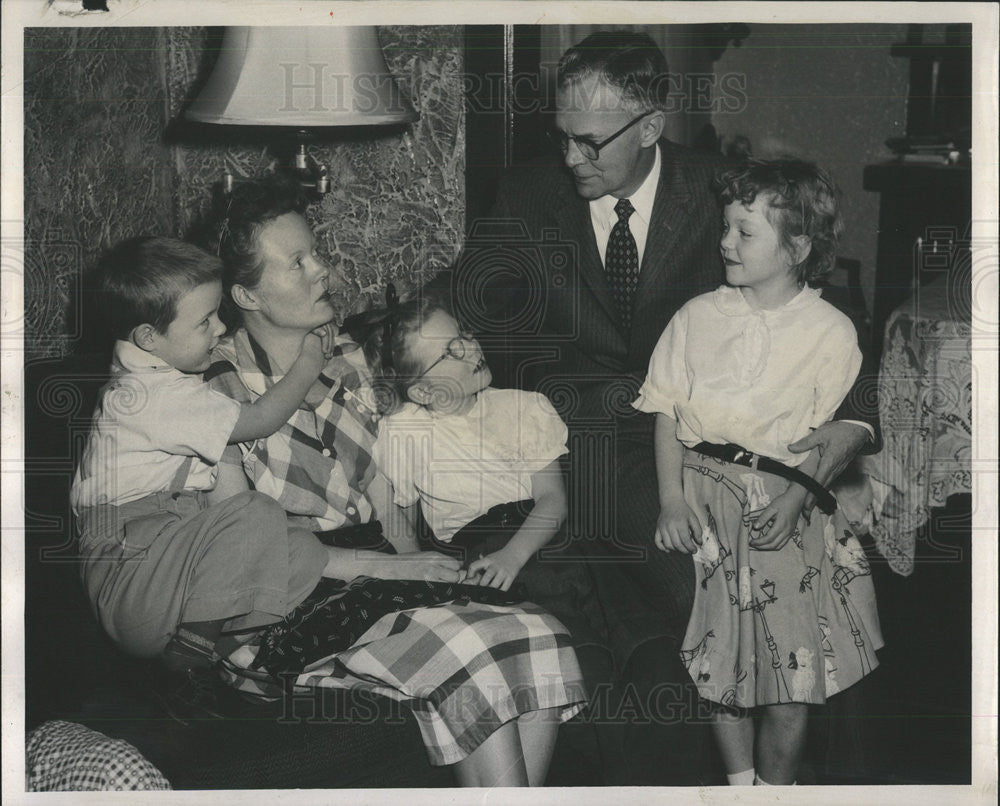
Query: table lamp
299 79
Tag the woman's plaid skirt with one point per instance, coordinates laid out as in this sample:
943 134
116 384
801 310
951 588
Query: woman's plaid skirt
465 669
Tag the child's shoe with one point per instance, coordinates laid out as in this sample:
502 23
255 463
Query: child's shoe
190 695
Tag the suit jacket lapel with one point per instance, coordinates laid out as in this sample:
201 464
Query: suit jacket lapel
670 213
574 224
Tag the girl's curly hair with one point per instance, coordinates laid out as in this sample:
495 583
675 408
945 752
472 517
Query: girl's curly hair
800 199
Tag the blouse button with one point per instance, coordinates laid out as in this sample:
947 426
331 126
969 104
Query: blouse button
352 511
326 451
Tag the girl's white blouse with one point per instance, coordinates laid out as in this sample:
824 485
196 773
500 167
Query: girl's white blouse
459 466
730 373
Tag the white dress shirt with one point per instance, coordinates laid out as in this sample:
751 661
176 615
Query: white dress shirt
603 216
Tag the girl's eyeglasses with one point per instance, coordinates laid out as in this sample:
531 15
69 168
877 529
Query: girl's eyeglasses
589 148
454 349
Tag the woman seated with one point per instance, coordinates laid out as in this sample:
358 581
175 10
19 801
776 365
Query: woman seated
489 684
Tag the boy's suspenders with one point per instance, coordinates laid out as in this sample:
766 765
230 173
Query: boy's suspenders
181 476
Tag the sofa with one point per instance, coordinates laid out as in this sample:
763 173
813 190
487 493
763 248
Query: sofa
340 739
335 739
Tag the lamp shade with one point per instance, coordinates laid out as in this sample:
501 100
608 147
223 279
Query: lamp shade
301 77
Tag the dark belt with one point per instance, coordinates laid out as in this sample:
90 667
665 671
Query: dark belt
741 456
501 516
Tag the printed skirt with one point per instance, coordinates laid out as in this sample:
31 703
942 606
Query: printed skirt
794 625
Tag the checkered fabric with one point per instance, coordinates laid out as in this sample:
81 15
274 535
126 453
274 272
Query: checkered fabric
319 463
622 262
337 613
63 757
464 668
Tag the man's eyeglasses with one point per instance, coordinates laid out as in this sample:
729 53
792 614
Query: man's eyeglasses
589 148
454 349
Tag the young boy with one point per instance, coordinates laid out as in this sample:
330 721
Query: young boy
166 571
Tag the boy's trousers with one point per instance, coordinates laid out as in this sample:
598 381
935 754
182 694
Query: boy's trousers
170 558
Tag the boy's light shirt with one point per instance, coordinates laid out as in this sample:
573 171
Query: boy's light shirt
155 429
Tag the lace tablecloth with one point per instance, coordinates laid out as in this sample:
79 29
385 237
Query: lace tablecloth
925 405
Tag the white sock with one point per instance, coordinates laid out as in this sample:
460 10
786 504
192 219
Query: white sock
744 778
758 781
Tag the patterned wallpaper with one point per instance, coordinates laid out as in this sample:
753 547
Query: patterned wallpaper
96 169
396 210
100 165
848 97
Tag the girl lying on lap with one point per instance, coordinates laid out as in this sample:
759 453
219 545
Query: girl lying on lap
477 459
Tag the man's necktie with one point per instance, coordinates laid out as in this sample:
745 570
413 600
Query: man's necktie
621 262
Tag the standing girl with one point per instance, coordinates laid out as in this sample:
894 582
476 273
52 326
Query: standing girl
784 613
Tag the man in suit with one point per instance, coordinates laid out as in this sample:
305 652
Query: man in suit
571 281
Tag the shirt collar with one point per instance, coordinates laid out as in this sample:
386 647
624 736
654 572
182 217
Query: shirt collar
254 367
730 301
242 348
135 359
642 200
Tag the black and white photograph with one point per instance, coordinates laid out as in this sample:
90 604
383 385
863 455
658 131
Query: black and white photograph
603 398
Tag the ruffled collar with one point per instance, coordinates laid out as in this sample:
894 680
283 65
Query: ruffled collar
752 346
731 302
478 411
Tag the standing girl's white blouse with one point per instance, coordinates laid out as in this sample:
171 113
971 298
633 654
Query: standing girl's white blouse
728 372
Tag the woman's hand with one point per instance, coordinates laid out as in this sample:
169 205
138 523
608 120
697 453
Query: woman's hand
430 566
678 528
776 523
497 570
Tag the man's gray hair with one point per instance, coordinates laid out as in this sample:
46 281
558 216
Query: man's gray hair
631 63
